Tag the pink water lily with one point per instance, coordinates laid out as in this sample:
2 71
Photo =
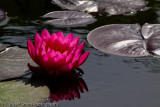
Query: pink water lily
56 54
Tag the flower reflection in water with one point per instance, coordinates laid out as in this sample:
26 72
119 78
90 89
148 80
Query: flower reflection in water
66 87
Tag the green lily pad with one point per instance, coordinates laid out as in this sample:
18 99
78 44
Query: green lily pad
13 62
23 91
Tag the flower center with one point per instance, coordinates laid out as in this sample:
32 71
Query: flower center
56 46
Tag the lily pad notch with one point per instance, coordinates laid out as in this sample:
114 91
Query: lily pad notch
130 40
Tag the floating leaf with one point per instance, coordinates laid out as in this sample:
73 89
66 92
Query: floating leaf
23 91
69 18
113 7
2 14
119 39
13 62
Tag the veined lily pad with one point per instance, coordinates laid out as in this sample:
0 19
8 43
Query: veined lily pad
127 39
23 91
119 39
2 14
69 18
13 62
113 7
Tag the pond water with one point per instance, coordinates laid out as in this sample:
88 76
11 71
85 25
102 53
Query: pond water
113 81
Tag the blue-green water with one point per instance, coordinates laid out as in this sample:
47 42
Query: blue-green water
113 81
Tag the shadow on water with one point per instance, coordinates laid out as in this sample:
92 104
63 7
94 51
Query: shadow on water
61 87
31 8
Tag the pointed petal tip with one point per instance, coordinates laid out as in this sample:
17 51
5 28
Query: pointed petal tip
60 34
83 58
45 34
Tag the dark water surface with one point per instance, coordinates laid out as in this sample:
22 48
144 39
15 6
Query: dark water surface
113 81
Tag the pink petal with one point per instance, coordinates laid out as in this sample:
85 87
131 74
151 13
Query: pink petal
56 60
46 62
65 53
45 35
50 42
69 58
62 59
38 43
42 49
60 34
75 60
83 58
57 45
31 50
54 35
75 42
65 46
52 54
37 40
81 46
69 37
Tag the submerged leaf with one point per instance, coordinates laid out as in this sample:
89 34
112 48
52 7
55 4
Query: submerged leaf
69 18
119 39
113 7
13 63
23 91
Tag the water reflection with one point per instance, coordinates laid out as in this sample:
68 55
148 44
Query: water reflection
64 87
150 64
25 7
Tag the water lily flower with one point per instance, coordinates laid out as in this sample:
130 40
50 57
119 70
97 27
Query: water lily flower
56 54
